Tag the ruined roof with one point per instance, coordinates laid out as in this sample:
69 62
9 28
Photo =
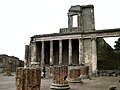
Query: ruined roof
78 8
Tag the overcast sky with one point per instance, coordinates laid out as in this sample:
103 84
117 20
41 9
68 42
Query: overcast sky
21 19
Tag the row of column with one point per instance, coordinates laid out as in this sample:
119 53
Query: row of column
34 52
81 52
60 52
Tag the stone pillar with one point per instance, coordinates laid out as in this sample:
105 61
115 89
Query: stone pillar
94 56
51 52
43 54
26 62
59 81
70 52
34 61
70 23
81 62
28 78
33 52
60 52
79 21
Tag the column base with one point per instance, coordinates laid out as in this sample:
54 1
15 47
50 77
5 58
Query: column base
60 86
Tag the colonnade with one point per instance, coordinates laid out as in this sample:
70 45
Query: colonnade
80 50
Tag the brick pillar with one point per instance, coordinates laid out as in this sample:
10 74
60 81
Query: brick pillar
73 74
84 72
70 52
59 81
28 78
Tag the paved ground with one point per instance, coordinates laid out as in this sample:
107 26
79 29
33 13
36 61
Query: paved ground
98 83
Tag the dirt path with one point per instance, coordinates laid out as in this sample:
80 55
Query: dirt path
99 83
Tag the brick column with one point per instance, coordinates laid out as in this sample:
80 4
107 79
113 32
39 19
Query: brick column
80 51
59 81
42 53
94 56
28 78
70 52
60 52
51 52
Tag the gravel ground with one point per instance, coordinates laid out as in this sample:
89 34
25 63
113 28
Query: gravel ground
98 83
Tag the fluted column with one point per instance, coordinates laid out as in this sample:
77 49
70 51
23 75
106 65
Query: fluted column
80 51
51 52
94 56
70 52
42 53
60 52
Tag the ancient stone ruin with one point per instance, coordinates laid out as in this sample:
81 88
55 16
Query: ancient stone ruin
73 46
79 48
9 64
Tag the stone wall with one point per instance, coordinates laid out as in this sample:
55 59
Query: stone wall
9 62
106 56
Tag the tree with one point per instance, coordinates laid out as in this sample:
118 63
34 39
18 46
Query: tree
117 46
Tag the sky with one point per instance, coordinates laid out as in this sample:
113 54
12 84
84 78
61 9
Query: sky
21 19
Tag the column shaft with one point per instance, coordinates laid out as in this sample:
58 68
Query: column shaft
60 52
81 52
42 53
51 52
33 52
94 56
70 52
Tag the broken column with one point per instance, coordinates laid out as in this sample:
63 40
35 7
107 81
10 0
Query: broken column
59 81
28 78
84 72
73 74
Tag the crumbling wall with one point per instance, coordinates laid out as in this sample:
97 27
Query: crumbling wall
106 56
10 62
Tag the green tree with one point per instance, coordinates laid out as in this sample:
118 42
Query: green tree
117 45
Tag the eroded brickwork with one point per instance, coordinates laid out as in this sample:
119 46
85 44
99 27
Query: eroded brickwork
28 78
